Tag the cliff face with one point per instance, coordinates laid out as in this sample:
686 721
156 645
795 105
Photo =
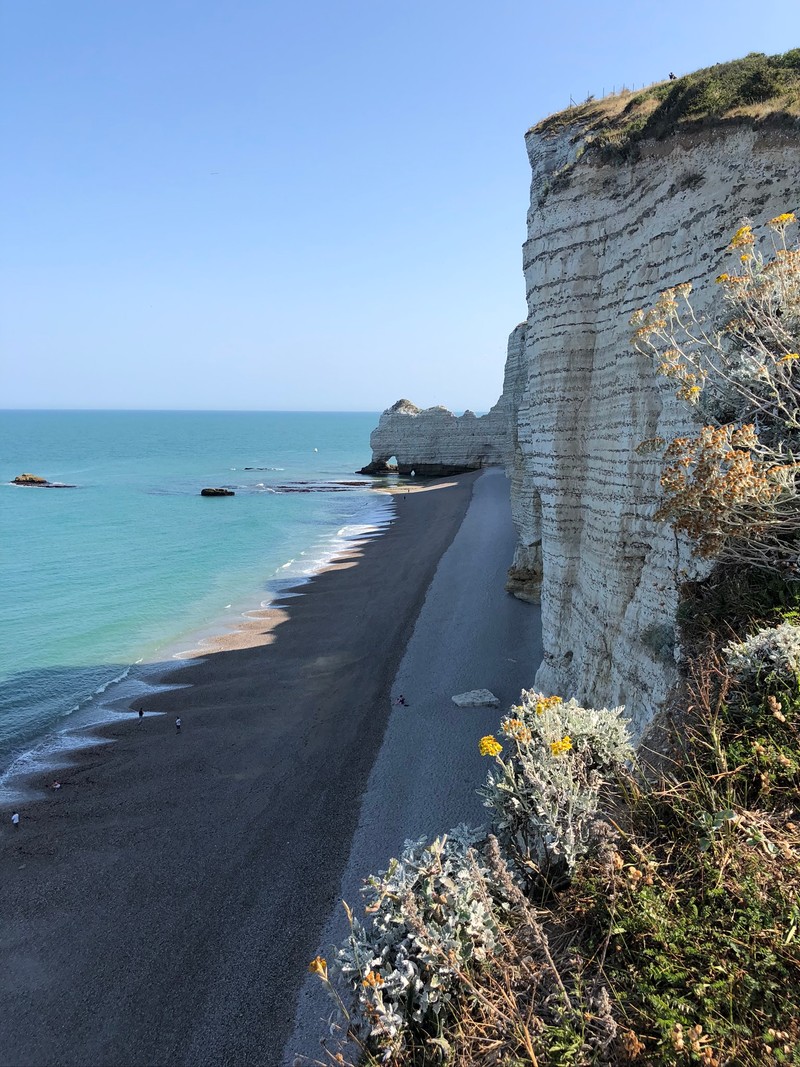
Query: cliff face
604 240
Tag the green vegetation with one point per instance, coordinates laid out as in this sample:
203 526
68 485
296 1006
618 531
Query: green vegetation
675 941
697 925
758 87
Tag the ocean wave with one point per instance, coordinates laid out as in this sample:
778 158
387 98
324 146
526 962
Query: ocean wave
56 749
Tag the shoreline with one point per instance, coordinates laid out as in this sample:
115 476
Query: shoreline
469 634
53 750
161 907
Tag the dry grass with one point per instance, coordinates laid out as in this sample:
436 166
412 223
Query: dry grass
758 88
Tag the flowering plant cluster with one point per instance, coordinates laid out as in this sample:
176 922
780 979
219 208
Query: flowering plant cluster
544 794
431 915
770 654
734 487
438 912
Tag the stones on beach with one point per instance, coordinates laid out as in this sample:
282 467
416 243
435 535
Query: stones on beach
477 698
217 492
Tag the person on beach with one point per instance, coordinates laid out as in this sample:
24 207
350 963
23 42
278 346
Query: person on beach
141 715
15 819
178 725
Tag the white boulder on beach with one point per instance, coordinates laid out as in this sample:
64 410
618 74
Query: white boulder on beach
476 698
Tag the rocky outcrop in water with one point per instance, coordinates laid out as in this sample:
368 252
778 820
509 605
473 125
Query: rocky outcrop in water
217 492
30 479
433 442
36 481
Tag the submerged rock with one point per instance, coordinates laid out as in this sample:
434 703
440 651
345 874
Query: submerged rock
477 698
217 492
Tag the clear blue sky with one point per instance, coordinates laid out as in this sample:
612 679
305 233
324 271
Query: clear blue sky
310 205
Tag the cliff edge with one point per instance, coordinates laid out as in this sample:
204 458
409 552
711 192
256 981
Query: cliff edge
606 233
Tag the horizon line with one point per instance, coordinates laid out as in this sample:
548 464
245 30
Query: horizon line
214 411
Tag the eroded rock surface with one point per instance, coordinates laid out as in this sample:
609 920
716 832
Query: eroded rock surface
433 442
604 240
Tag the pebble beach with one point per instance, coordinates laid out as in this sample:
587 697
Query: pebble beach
162 906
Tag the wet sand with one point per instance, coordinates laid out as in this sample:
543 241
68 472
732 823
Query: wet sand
162 906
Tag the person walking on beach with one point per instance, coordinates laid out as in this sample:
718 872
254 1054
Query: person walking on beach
141 715
15 819
178 725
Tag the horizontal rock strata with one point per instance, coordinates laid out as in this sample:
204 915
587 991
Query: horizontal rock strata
603 240
433 442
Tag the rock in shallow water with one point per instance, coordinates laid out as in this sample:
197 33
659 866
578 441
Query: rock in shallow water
30 479
477 698
38 482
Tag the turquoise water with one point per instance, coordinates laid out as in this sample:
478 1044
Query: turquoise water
133 564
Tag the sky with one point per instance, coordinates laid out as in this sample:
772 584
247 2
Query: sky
245 204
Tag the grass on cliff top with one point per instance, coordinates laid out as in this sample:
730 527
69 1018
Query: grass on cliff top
756 87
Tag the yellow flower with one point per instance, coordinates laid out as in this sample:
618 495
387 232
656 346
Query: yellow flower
782 220
722 278
745 257
372 978
510 726
558 748
516 728
319 966
789 357
489 746
545 704
743 236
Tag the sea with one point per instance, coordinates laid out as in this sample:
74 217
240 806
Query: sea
130 568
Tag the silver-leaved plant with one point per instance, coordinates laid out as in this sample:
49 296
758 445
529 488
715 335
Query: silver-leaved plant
429 917
771 654
544 792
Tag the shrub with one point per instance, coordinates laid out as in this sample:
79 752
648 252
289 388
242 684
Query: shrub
430 917
695 921
771 654
763 710
545 794
733 488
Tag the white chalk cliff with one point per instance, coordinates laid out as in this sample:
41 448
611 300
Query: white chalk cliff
434 441
604 238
